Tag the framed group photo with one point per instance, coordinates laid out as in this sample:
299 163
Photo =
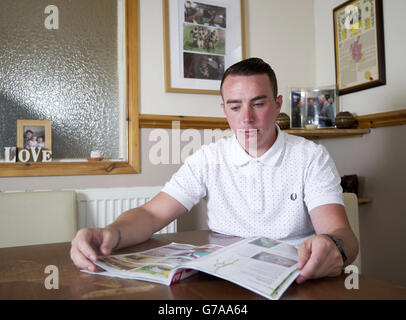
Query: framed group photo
359 45
313 107
202 39
34 133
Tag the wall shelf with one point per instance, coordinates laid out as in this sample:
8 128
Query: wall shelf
328 133
188 122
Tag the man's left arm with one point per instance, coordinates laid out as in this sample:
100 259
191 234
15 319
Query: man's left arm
319 256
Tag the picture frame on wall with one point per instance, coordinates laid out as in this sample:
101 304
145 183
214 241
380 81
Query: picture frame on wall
359 45
313 107
201 40
34 133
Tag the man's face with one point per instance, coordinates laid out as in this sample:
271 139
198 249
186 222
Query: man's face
251 110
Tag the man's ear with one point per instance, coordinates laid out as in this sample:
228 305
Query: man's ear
222 106
279 101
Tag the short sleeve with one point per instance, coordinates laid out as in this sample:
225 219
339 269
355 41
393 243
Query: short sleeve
187 185
322 181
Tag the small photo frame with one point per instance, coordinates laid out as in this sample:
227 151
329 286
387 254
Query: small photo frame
313 107
34 133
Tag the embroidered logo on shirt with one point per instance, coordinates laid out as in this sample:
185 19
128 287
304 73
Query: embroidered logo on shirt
293 196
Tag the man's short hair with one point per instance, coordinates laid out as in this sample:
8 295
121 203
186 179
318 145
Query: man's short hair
250 67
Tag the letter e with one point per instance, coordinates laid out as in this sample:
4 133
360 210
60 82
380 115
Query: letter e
46 155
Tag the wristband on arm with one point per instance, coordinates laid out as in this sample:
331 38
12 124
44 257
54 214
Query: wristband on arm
340 245
119 239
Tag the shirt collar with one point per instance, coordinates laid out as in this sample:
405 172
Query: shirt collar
240 158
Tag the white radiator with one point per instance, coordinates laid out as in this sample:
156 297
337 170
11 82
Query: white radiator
100 207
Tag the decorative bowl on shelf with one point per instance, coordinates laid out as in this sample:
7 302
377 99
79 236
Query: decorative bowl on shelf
345 120
283 121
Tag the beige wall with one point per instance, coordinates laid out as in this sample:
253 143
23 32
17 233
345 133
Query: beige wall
379 161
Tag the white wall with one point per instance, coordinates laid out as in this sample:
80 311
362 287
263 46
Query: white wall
379 99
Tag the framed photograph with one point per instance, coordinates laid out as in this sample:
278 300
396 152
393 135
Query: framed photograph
202 39
359 45
34 133
313 107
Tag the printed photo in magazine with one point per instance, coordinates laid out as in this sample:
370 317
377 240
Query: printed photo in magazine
262 265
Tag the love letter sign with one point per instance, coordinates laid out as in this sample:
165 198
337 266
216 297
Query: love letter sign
33 154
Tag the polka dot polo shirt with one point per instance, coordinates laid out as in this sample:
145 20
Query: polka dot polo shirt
270 196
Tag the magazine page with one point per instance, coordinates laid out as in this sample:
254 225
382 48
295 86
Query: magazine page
260 264
162 264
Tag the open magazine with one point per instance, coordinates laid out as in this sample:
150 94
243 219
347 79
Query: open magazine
262 265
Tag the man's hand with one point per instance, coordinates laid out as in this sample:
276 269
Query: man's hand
89 242
319 257
135 225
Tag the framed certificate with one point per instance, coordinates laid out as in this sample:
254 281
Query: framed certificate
359 45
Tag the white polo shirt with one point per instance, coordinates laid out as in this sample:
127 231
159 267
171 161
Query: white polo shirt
271 195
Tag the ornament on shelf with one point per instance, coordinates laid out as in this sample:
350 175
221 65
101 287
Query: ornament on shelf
345 120
283 121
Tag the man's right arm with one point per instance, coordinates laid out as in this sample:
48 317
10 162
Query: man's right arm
131 227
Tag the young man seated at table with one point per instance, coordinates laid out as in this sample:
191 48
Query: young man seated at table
259 182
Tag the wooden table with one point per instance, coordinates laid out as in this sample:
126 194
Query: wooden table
22 276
